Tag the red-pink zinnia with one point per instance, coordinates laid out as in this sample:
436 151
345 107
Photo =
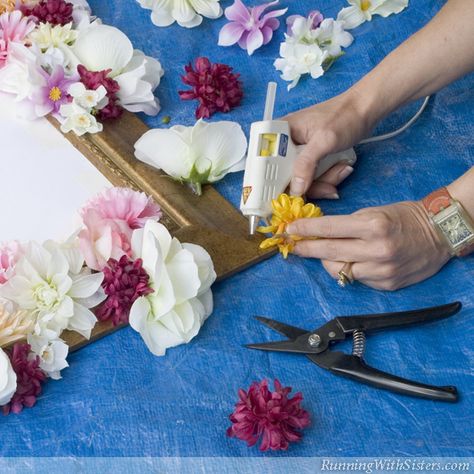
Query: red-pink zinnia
215 86
272 416
124 282
29 378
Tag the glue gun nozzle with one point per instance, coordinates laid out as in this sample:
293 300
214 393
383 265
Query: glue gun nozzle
253 223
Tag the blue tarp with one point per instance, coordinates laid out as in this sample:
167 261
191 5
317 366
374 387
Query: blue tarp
117 399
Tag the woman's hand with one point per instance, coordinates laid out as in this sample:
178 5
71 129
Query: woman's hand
325 128
391 246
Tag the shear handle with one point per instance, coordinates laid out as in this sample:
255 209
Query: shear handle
355 368
391 320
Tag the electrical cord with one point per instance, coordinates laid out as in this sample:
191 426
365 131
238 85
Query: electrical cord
386 136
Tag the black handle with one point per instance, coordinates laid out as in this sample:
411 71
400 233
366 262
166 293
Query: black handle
355 368
404 318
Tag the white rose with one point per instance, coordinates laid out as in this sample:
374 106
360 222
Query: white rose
7 379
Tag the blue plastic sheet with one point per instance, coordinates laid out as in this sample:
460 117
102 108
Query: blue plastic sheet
117 399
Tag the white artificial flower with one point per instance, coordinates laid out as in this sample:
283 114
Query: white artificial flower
201 154
45 285
181 276
298 59
52 354
46 35
331 36
7 379
78 120
81 13
363 10
187 13
87 98
101 47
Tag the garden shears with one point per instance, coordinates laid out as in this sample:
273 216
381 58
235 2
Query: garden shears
316 346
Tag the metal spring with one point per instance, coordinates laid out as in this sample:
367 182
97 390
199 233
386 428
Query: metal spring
358 343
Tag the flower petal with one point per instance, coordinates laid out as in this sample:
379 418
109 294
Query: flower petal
254 41
351 17
237 12
208 8
83 321
390 6
85 285
230 34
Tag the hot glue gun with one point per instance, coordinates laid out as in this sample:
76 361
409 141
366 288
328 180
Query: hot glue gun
270 160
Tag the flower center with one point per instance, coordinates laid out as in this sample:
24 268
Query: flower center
46 295
364 5
309 59
55 94
83 121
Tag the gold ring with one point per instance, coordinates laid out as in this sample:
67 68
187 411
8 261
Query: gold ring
345 275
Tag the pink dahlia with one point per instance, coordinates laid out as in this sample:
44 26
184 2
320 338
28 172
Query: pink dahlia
215 86
56 12
248 27
10 252
272 416
13 29
29 378
124 281
124 204
93 80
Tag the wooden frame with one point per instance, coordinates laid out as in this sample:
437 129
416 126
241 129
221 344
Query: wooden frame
208 220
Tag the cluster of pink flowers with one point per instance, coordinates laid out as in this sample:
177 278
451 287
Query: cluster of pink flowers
14 28
274 417
29 378
109 221
216 87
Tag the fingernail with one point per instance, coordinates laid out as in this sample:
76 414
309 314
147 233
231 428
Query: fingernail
290 229
344 173
297 187
330 196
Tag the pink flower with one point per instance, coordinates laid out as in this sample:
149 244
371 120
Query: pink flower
29 378
10 253
93 80
272 416
315 18
56 12
13 29
109 221
247 26
215 86
124 282
53 94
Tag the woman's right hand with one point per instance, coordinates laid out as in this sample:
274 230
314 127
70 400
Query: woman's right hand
329 127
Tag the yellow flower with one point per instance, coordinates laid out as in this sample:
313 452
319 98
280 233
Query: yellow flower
14 325
286 209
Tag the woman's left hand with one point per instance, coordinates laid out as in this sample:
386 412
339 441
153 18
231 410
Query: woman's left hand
391 246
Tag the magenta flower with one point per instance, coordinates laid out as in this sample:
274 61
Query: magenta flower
93 80
124 282
50 97
13 29
56 12
215 86
248 27
10 252
272 416
29 378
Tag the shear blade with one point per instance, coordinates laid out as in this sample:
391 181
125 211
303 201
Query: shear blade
292 332
279 346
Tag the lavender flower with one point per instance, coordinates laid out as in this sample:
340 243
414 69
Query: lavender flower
248 27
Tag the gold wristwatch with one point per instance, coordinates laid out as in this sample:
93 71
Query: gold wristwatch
451 221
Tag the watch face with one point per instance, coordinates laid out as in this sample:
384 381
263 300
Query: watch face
455 229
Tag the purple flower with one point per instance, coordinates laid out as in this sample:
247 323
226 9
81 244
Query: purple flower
53 94
248 27
314 20
274 417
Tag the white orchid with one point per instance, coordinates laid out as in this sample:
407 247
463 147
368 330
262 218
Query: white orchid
101 47
200 154
7 379
187 13
331 36
50 289
86 98
52 355
363 10
181 276
298 59
78 120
